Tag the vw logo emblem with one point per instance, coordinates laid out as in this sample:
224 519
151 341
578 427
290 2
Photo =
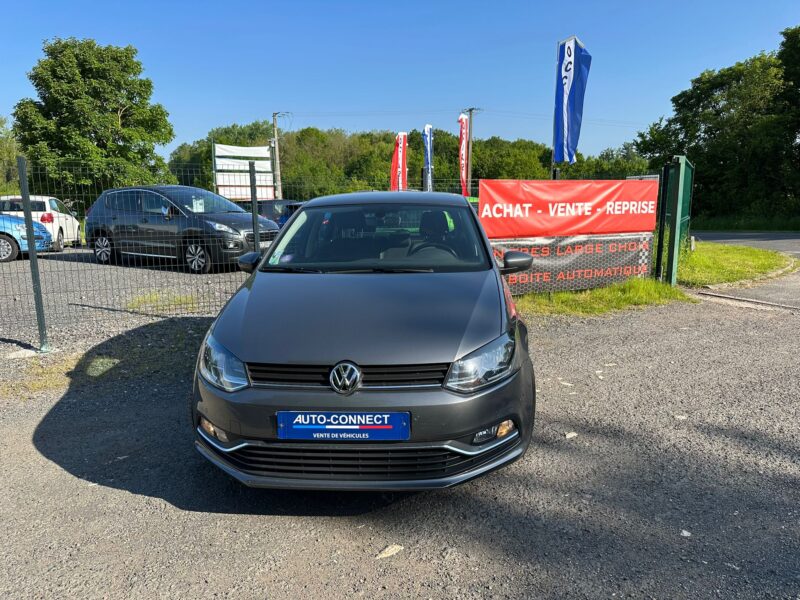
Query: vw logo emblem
345 378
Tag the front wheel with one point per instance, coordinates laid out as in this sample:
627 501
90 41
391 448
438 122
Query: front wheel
8 249
197 258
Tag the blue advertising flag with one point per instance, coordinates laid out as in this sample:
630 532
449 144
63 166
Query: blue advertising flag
572 73
427 142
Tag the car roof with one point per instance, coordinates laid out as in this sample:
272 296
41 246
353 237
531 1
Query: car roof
163 189
428 198
18 197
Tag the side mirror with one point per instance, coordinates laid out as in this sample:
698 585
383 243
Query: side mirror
514 262
74 213
248 262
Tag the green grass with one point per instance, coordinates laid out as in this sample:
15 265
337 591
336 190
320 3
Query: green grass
714 263
745 223
631 293
163 302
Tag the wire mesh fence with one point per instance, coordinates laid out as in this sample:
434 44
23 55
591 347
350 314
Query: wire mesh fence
113 243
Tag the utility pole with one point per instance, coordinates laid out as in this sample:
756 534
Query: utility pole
278 185
470 111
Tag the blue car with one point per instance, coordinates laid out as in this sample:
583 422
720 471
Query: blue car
14 240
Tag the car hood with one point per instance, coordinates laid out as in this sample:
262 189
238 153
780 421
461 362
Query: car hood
371 319
239 221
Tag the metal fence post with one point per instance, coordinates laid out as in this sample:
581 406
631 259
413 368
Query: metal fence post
254 207
676 216
22 168
663 198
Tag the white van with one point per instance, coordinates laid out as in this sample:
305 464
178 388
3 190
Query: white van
50 212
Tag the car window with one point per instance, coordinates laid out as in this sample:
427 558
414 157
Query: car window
53 205
62 208
201 201
390 236
154 204
124 201
16 205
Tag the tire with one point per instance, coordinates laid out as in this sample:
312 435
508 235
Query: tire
103 249
8 249
58 245
196 257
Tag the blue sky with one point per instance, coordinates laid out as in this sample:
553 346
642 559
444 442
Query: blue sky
397 65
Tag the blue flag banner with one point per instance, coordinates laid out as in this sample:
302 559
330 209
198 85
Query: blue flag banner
572 73
427 141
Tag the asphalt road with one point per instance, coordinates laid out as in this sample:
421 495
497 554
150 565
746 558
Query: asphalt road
683 480
781 241
784 290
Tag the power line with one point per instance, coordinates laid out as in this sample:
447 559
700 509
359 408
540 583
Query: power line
618 123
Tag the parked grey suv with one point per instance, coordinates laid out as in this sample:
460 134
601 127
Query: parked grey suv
200 229
374 346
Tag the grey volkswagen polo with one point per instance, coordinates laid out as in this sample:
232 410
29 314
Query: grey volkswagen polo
374 346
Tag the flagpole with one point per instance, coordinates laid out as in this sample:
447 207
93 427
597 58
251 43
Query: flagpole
553 146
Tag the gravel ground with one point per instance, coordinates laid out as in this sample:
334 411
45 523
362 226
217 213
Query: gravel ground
79 294
683 480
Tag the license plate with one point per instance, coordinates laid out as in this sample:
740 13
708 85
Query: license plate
344 426
264 245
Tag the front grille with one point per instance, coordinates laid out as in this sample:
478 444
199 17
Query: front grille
264 236
373 376
350 462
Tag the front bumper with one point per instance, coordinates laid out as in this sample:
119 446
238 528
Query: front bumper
226 249
439 453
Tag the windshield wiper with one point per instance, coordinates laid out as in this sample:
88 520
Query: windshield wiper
288 269
381 270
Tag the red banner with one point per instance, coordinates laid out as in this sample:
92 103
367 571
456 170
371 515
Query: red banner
399 169
520 209
463 124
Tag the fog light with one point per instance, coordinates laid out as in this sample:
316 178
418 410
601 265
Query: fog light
505 428
496 432
213 431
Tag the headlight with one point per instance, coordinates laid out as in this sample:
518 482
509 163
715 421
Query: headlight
221 368
491 363
222 227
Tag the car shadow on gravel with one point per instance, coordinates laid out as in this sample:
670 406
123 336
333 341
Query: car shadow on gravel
123 423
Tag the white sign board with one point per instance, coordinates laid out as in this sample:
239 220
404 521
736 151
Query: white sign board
238 164
242 151
243 179
243 193
232 171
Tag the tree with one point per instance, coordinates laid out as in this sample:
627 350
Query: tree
315 162
191 162
9 182
612 163
789 108
737 126
92 109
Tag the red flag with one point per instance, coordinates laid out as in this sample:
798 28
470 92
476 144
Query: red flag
399 169
463 122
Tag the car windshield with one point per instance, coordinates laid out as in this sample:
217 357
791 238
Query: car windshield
202 201
373 237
